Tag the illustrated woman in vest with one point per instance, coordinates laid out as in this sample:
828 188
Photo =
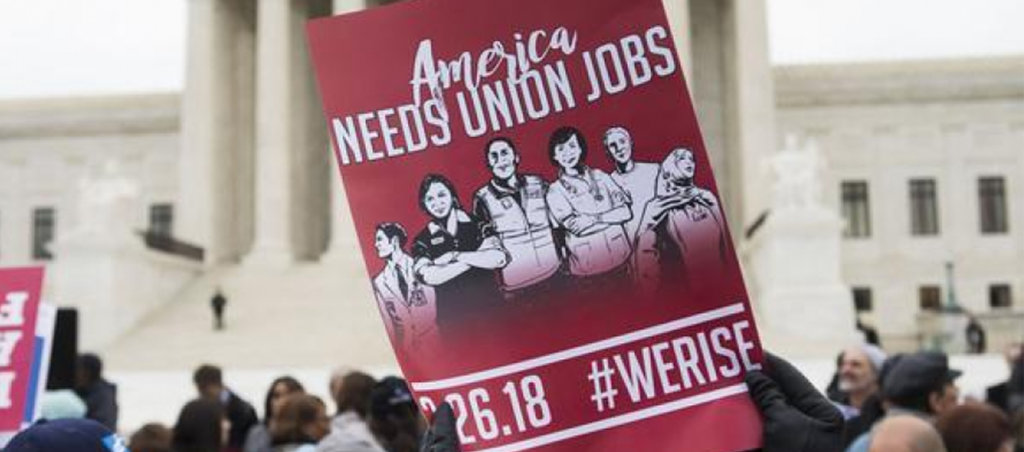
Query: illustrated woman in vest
515 209
593 210
458 256
407 304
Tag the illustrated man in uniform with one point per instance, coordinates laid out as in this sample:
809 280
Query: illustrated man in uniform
515 209
687 237
406 302
593 209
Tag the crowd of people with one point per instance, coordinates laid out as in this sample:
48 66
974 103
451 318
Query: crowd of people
875 403
913 400
369 415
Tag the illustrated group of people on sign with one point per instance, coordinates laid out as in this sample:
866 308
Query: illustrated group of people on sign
525 238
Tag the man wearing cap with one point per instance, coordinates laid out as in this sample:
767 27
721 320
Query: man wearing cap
922 384
918 384
67 435
395 420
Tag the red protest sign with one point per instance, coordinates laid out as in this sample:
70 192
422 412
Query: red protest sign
539 222
19 305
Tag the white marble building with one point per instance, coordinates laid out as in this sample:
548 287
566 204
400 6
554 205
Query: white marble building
931 155
238 164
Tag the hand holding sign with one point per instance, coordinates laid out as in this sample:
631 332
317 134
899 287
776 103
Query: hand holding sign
797 417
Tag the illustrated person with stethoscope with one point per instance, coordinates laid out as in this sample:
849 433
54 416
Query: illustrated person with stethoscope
408 305
593 210
457 255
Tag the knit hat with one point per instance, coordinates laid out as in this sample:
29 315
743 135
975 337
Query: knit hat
67 435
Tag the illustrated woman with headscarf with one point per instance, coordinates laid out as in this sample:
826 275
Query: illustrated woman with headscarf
682 230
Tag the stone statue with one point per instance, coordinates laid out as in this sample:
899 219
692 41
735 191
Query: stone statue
105 200
797 173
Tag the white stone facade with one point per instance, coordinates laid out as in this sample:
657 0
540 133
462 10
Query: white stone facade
950 121
48 147
242 156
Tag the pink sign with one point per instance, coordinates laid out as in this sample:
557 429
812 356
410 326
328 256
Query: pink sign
19 305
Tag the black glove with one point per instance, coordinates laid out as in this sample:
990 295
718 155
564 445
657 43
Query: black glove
441 436
797 418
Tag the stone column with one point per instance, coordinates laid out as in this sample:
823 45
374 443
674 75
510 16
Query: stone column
311 162
343 247
707 82
750 108
274 121
214 127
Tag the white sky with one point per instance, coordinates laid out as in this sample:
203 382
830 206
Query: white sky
81 47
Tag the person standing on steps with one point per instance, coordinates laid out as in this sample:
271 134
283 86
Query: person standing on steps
217 303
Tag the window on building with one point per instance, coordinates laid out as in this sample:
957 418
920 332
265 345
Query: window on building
992 200
930 298
161 220
924 207
1000 296
862 300
856 209
43 228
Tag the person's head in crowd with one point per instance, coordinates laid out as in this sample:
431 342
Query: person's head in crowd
859 367
151 438
66 435
88 370
279 390
394 418
352 393
975 427
438 197
300 419
567 149
208 381
202 426
921 382
338 376
905 434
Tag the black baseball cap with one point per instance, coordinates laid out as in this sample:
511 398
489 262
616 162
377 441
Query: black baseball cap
67 435
915 374
389 396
